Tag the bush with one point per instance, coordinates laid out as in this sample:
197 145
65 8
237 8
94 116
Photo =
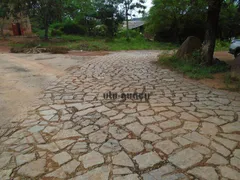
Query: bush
100 30
56 32
132 33
222 45
191 67
73 28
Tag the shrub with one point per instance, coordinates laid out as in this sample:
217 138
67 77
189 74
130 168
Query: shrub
73 28
92 47
132 33
56 32
100 30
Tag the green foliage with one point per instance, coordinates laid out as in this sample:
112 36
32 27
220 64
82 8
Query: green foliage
132 33
56 33
100 30
73 28
222 45
191 68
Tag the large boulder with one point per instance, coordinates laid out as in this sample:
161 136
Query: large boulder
190 45
235 70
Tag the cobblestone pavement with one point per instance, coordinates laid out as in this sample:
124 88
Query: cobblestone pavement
185 130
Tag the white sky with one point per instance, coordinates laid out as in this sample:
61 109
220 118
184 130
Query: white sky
148 4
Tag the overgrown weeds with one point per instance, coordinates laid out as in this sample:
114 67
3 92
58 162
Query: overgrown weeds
192 66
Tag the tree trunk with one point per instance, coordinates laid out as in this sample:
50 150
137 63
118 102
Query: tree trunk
2 26
214 8
46 32
127 21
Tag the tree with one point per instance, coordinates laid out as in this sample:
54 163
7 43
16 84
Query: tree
129 6
174 20
214 8
4 13
45 12
108 12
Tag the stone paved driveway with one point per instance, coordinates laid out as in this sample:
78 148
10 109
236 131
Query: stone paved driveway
184 131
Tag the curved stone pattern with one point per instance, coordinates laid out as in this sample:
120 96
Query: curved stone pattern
184 131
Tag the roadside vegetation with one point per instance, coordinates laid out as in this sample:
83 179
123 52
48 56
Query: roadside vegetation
85 43
190 67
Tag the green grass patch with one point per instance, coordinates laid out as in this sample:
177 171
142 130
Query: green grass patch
100 44
191 68
222 45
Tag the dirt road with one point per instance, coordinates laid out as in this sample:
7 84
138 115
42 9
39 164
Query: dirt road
24 77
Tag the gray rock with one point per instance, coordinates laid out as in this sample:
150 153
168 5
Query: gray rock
186 158
33 169
122 159
147 160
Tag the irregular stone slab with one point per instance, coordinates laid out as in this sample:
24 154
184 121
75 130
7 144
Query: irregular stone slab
51 130
24 158
102 122
146 120
170 124
89 129
122 159
204 173
190 125
67 133
158 173
64 143
226 142
4 160
235 137
236 153
217 160
229 173
102 109
155 128
215 120
235 162
61 158
220 149
36 128
85 112
50 147
125 121
71 166
186 158
91 159
147 160
166 146
127 177
188 117
148 136
100 173
132 145
231 127
202 149
79 147
98 137
59 173
5 174
183 141
209 129
168 114
118 133
121 171
33 169
198 138
111 145
136 128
